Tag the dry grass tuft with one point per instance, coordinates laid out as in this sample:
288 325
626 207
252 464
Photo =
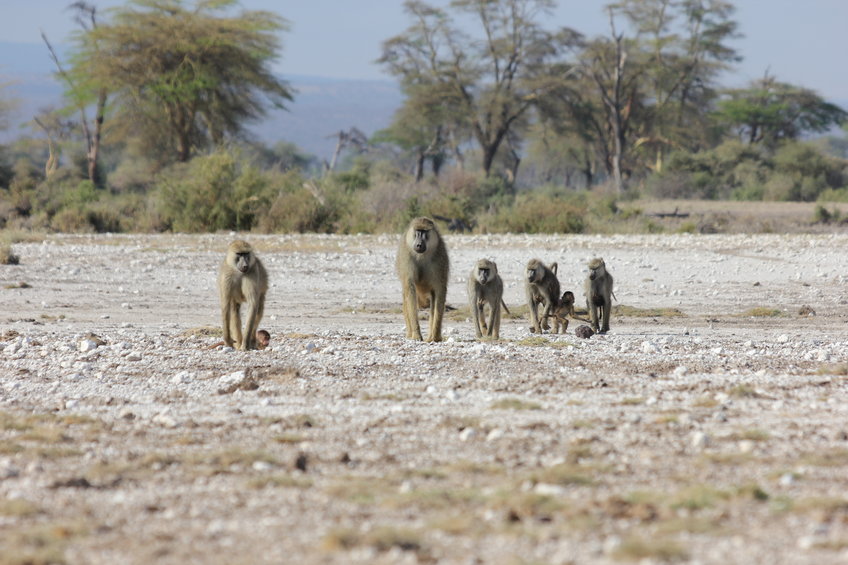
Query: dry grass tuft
762 312
515 404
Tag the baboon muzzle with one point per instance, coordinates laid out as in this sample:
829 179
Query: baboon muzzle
420 247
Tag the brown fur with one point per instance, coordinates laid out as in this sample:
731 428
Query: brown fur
542 287
598 291
241 279
485 287
423 268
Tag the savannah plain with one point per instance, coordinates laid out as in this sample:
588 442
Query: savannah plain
710 425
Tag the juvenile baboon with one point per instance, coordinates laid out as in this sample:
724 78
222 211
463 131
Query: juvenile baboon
562 310
598 291
263 340
485 287
241 279
542 287
423 268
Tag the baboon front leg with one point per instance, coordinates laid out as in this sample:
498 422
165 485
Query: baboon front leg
534 319
495 322
479 322
235 324
437 310
606 315
226 311
410 312
254 315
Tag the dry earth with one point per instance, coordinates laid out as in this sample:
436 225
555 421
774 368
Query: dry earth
698 430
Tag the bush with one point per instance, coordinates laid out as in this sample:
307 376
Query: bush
536 212
213 192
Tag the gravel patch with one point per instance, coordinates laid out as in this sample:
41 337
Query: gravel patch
710 425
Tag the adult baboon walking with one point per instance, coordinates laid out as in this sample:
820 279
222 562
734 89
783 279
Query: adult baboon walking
241 279
598 291
423 268
485 287
542 287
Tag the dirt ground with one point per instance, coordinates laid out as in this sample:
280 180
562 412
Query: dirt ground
710 425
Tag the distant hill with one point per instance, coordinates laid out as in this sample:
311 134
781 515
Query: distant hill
321 108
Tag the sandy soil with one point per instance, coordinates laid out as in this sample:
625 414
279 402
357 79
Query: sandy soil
709 426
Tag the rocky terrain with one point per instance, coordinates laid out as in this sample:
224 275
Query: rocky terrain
710 425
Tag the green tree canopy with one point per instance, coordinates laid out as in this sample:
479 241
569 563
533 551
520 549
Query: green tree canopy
198 73
769 111
490 81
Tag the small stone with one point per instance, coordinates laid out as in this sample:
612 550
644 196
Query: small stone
700 439
680 371
182 377
495 434
467 434
783 338
584 332
648 348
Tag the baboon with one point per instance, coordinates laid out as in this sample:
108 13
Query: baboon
485 287
564 308
241 279
598 291
423 268
542 287
263 340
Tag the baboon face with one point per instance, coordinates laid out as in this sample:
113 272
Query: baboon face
567 298
535 271
422 235
596 268
486 270
241 255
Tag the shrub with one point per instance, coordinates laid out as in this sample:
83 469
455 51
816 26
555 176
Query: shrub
535 212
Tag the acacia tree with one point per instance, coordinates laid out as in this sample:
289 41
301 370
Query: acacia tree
769 111
201 72
685 48
492 80
81 91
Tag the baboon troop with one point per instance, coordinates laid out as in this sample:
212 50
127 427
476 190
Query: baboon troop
485 287
423 268
598 291
542 287
242 279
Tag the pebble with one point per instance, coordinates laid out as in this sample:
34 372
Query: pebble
87 345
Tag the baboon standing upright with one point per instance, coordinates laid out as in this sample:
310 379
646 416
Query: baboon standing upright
598 291
542 287
423 268
241 279
485 287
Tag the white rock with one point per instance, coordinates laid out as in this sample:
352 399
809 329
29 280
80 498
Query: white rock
700 439
182 377
680 371
495 434
467 434
87 345
782 338
233 378
648 348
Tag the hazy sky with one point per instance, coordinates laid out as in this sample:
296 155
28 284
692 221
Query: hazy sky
803 42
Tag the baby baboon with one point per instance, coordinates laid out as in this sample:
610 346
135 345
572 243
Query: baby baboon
562 310
423 268
542 287
263 340
241 279
598 291
485 287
